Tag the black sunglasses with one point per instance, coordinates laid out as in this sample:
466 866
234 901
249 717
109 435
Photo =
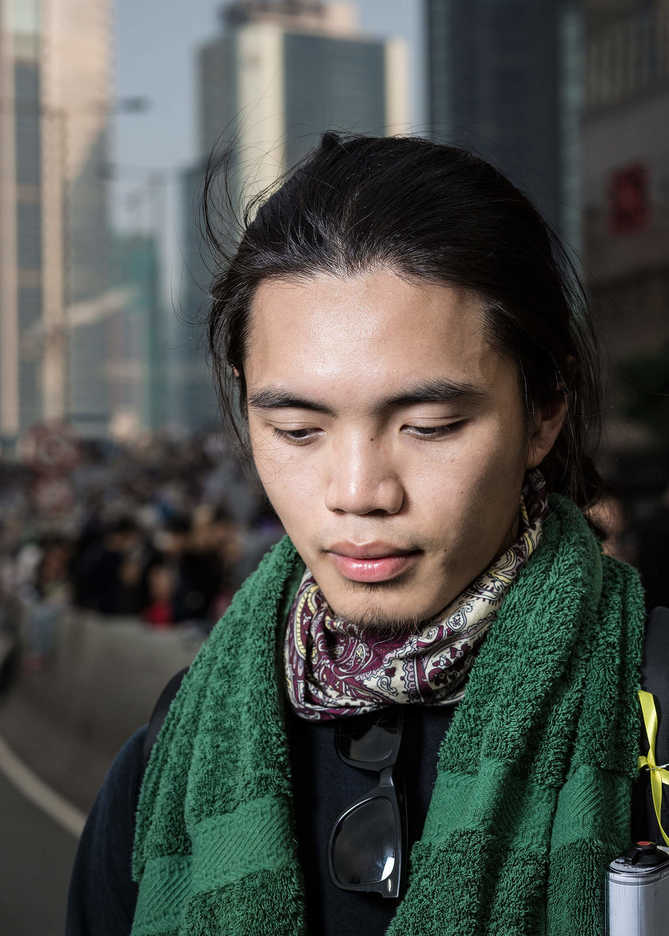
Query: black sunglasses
368 843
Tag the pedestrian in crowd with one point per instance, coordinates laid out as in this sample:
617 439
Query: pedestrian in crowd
46 597
419 715
197 573
159 607
609 517
109 571
234 545
10 626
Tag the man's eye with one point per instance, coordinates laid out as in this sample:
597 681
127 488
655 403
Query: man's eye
296 436
433 432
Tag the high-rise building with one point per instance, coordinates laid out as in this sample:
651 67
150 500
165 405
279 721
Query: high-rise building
190 398
505 80
23 251
280 73
77 70
283 72
54 290
626 195
135 344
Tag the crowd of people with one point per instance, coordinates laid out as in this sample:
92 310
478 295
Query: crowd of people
163 532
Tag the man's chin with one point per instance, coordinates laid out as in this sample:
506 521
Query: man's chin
374 618
380 625
386 608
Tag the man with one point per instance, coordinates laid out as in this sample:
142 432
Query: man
419 715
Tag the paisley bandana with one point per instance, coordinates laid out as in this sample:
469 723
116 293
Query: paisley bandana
334 668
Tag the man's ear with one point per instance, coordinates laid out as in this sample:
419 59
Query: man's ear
547 425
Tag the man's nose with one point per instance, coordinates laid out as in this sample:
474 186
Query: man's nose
362 479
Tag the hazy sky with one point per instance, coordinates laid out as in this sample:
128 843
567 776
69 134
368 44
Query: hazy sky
155 44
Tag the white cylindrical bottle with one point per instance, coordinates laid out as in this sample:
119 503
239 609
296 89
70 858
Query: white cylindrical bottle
637 892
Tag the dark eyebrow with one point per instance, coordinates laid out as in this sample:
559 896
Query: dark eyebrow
431 391
273 398
436 391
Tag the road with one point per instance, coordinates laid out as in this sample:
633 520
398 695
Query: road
35 862
59 731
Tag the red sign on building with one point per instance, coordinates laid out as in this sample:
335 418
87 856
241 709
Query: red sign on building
629 202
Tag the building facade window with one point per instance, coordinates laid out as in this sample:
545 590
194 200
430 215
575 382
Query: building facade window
627 58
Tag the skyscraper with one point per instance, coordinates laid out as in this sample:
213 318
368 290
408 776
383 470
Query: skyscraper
54 294
278 76
282 72
626 186
77 74
135 339
505 79
23 253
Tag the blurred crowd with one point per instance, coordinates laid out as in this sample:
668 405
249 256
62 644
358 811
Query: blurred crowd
163 532
633 515
636 530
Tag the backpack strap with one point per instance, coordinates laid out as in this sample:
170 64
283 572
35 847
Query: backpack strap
655 674
655 679
159 713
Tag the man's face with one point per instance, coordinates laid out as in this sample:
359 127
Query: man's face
389 436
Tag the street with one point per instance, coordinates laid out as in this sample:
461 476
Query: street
35 863
60 728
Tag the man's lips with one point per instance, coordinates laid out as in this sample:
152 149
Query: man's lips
371 562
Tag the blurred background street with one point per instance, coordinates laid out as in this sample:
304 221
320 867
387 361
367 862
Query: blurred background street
26 870
126 517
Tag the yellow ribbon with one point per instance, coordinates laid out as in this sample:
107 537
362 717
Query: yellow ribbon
658 775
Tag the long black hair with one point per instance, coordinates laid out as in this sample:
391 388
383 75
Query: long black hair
431 212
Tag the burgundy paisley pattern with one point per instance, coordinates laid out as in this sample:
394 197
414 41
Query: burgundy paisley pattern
334 668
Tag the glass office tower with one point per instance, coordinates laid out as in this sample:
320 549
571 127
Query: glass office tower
505 79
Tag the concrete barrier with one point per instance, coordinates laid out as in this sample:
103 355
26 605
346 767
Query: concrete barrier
68 719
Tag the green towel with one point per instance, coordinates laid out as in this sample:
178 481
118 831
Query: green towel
532 796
